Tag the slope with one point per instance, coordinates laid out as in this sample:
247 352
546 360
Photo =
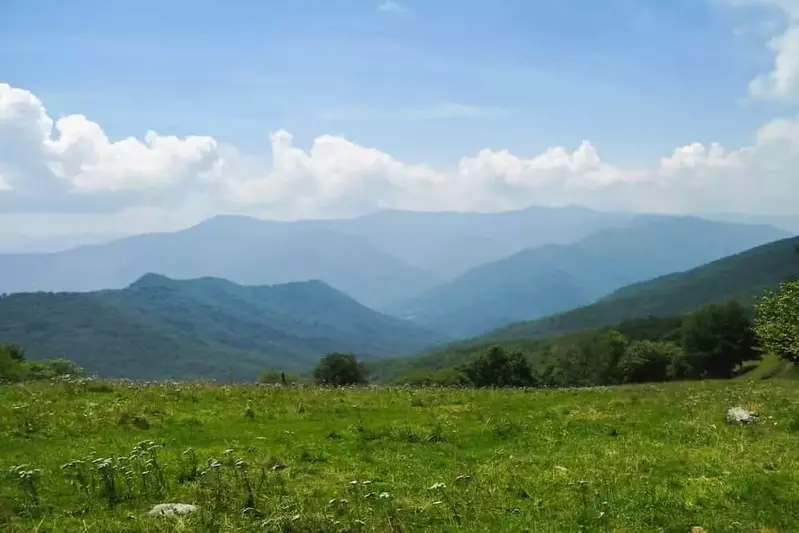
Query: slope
550 279
743 276
162 328
241 249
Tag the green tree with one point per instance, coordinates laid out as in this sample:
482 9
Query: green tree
499 368
648 361
339 369
777 321
14 351
717 338
615 346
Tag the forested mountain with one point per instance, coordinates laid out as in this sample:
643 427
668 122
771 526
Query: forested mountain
163 328
554 278
743 276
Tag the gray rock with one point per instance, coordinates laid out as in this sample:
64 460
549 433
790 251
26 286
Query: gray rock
172 509
740 416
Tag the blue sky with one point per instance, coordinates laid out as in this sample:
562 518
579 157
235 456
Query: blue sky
686 106
637 77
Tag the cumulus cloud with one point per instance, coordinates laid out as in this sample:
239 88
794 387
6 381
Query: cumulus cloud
781 83
68 173
75 151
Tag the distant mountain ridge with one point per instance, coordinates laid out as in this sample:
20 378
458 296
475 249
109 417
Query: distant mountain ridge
742 276
554 278
450 243
390 260
378 259
163 328
240 249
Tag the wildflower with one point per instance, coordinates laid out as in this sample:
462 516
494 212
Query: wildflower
437 486
463 477
354 483
384 495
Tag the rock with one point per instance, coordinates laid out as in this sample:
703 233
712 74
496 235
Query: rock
697 529
172 509
740 416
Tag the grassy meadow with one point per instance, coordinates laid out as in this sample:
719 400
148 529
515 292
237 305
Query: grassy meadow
94 456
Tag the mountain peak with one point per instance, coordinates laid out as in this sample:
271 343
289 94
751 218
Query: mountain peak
151 279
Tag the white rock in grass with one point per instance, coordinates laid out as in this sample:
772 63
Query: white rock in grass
740 416
172 509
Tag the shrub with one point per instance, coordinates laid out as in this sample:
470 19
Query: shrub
14 367
338 369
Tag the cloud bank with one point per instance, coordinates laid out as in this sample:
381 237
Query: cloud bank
66 174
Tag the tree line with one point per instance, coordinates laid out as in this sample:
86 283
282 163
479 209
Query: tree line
714 342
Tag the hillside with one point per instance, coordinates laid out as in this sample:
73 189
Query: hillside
550 279
162 328
241 249
742 276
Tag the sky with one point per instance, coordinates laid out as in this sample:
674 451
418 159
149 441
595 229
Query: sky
125 117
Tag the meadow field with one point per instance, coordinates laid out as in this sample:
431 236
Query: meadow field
94 456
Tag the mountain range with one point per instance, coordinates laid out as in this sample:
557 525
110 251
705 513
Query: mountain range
163 328
234 295
553 278
378 259
742 277
240 249
384 260
646 310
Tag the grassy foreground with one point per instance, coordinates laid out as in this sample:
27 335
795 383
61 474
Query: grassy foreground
94 456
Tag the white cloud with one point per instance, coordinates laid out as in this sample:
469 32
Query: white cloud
77 151
389 6
781 83
68 175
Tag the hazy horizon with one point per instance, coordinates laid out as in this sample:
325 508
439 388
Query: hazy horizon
115 121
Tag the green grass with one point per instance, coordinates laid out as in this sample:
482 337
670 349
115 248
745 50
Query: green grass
769 367
628 459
